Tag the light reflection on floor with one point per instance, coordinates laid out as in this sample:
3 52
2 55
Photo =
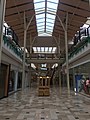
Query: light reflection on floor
28 106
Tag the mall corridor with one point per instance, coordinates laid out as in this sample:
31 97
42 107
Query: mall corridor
28 105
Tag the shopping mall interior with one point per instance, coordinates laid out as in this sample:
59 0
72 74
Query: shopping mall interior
45 59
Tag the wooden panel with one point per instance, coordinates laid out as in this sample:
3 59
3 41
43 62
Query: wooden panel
76 3
71 9
20 9
11 3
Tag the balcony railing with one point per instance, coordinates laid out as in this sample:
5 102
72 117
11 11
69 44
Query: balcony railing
13 46
79 47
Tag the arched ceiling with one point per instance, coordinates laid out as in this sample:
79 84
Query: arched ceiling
78 11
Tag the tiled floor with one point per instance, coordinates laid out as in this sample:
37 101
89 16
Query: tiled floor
28 106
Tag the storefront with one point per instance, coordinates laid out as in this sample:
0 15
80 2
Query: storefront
11 81
4 76
80 72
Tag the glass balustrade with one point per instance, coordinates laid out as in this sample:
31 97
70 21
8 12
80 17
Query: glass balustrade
13 46
79 47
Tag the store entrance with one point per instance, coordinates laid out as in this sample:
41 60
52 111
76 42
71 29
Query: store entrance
3 79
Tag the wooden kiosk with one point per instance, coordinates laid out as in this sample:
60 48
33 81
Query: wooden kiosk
44 86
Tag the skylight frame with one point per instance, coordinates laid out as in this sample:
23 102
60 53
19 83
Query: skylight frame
44 49
49 12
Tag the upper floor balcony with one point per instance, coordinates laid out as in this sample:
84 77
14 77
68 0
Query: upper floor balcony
11 48
81 49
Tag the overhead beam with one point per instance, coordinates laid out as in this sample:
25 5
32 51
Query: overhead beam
45 14
44 60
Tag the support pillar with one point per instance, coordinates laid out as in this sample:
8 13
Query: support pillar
2 14
16 80
30 63
66 48
59 47
59 69
26 26
30 45
23 75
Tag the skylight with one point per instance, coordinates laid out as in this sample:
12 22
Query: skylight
44 49
45 16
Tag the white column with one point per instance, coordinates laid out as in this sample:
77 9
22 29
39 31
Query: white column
59 47
26 26
66 48
24 53
16 80
30 45
59 68
2 14
23 75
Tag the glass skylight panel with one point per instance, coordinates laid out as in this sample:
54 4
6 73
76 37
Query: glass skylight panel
40 29
40 16
39 4
49 33
48 25
38 49
54 1
42 49
50 20
34 49
49 30
54 49
36 1
50 49
40 10
40 24
44 34
54 5
51 9
50 15
46 49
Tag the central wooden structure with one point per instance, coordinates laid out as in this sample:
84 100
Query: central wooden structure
44 86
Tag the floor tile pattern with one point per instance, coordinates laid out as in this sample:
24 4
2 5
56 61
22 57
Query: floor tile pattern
27 105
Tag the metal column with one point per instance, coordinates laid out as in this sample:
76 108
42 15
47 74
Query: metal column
2 14
30 45
23 76
30 63
59 47
66 48
59 69
24 54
